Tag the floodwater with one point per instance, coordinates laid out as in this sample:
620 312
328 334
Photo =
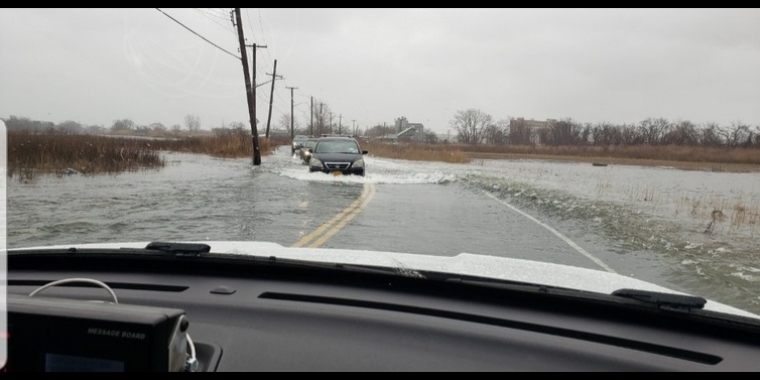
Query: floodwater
692 231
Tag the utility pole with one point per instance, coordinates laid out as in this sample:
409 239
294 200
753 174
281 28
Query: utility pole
353 129
311 122
249 90
271 94
340 124
254 86
253 82
331 123
321 119
293 150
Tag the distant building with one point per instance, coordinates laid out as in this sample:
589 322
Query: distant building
523 131
406 131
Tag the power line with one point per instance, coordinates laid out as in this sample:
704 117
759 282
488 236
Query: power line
268 56
221 14
204 38
261 26
250 25
208 16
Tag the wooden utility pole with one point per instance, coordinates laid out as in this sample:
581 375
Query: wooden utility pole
292 134
340 124
271 95
249 90
311 122
254 86
321 119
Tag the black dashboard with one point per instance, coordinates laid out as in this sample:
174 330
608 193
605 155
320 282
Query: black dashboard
259 316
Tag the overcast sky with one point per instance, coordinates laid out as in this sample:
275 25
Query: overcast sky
371 66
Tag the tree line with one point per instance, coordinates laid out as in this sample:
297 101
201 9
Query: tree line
474 126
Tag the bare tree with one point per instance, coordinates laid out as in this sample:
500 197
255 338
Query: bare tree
711 135
497 133
431 138
737 135
519 132
70 127
652 130
471 125
682 133
285 122
122 125
193 123
379 131
321 117
605 134
158 127
96 130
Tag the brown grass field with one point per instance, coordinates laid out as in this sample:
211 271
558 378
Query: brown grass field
32 154
681 157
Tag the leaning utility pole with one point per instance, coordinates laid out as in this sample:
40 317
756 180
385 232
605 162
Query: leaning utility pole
291 117
271 95
249 90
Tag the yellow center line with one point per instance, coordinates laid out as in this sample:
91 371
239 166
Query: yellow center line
345 221
368 188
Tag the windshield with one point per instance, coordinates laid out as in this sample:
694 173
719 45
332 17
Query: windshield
337 146
310 143
624 142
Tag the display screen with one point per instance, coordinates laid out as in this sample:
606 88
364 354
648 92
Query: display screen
67 363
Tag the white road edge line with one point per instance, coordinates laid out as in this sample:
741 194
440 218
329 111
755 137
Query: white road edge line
552 230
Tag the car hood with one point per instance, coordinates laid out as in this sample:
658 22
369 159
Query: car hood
337 157
521 270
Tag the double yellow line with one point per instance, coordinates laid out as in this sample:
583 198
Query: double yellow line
324 232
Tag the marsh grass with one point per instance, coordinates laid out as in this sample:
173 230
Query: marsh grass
684 157
417 152
33 154
639 152
233 144
739 212
712 213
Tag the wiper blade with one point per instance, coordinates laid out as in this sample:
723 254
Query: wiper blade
179 248
161 248
203 251
665 301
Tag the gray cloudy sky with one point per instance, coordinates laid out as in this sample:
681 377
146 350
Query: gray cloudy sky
95 66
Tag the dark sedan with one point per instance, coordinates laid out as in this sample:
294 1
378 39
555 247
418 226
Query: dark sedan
308 146
337 155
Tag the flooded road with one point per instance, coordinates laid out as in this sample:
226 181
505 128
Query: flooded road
597 218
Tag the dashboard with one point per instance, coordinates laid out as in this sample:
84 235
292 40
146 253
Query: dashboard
260 317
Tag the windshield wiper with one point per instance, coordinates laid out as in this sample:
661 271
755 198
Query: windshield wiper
665 301
162 248
203 251
180 248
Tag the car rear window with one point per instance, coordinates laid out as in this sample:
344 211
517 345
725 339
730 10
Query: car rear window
337 146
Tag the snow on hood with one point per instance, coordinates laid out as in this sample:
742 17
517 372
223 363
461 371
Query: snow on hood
521 270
